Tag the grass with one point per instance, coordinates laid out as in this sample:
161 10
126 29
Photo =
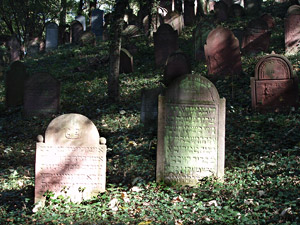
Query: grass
261 183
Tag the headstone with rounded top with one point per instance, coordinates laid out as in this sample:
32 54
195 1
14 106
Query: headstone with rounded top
222 52
274 87
76 31
292 30
191 132
51 36
82 20
71 160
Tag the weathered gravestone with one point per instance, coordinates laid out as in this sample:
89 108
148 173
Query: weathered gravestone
33 46
221 11
126 61
189 12
14 84
165 43
269 20
14 47
175 20
87 38
149 107
70 159
82 20
97 23
222 52
274 88
176 66
191 132
256 37
76 31
292 30
41 95
51 36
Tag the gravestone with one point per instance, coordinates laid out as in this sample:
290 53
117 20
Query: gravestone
41 95
274 88
51 36
87 38
70 159
97 23
292 30
131 31
222 52
189 12
14 84
82 20
149 107
269 20
221 11
126 61
76 32
256 37
33 46
252 7
191 132
14 48
236 10
176 66
175 20
165 43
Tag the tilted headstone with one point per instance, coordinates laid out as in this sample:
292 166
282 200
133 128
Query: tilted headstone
175 20
256 37
176 66
149 107
51 36
70 159
14 84
222 52
189 12
292 30
76 31
221 11
191 132
165 43
14 48
97 23
274 88
82 20
126 61
41 95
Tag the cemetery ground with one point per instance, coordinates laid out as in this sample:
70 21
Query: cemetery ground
262 160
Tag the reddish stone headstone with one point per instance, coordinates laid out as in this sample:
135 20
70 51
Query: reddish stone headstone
126 61
274 87
41 95
76 31
14 84
175 20
165 43
256 37
222 52
292 30
70 161
191 132
176 66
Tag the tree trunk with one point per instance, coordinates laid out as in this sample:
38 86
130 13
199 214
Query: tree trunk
62 21
115 47
80 6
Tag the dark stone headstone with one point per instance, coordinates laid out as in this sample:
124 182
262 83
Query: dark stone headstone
222 52
126 61
41 95
189 12
176 66
82 20
236 10
87 38
274 88
221 11
165 43
76 32
292 30
14 47
256 37
14 84
51 36
191 132
269 20
70 161
97 23
175 20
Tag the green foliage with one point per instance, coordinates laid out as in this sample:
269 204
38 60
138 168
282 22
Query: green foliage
261 183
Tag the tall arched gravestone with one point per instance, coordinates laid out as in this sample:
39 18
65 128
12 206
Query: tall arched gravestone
292 30
274 87
15 79
41 95
97 23
191 132
76 31
82 20
222 52
51 36
70 159
165 43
